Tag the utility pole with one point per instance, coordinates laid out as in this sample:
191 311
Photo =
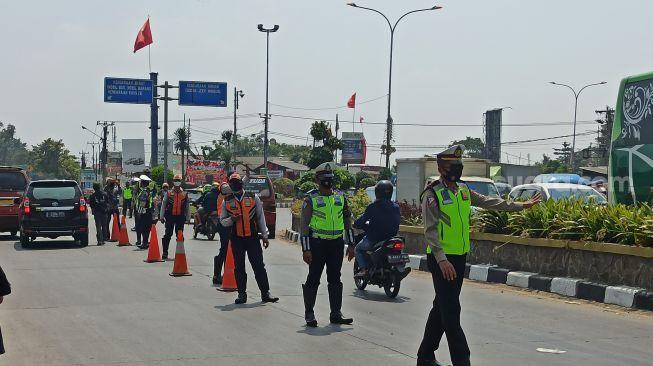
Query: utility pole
113 133
237 95
267 31
94 160
337 128
104 154
154 122
83 154
166 86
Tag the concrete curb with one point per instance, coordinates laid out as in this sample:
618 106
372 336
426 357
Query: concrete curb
540 283
621 295
479 272
565 286
644 300
591 291
518 279
284 204
291 235
497 275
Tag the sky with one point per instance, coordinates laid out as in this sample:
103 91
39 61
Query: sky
450 66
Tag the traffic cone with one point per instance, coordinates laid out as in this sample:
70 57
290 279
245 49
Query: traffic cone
115 232
154 253
124 236
229 277
180 268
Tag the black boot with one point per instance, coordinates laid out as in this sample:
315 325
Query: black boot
267 297
242 298
335 300
217 271
310 293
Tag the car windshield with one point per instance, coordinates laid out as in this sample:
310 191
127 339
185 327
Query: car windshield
484 188
14 181
260 186
572 193
53 192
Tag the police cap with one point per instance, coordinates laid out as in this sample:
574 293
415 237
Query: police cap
325 170
453 153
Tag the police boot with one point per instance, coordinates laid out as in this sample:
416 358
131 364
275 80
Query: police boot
217 271
310 293
242 298
267 297
335 300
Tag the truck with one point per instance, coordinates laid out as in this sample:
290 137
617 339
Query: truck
412 174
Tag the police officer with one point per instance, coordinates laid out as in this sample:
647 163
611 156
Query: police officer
325 220
243 212
175 211
112 205
136 191
223 232
446 210
127 195
144 213
99 205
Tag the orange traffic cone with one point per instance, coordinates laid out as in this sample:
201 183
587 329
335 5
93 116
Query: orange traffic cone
229 277
115 232
154 254
124 236
180 268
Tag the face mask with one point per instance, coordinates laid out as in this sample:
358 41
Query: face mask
176 184
236 186
326 182
454 173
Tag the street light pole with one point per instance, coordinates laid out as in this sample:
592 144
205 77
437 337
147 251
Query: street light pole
237 95
576 95
267 82
392 27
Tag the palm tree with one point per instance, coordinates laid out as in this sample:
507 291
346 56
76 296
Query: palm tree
181 138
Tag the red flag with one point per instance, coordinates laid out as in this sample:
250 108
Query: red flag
352 101
361 119
144 36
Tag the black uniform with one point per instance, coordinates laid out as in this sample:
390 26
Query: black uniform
99 205
144 214
5 289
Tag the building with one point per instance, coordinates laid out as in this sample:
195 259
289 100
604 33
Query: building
278 167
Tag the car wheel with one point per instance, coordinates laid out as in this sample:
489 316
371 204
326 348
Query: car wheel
13 233
271 231
83 240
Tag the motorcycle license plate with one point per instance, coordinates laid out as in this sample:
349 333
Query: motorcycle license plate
398 258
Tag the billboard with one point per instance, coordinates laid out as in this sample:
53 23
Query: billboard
205 171
87 177
353 148
492 126
160 151
133 155
114 163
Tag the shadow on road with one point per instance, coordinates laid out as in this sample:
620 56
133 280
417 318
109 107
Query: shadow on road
378 296
47 245
324 331
232 306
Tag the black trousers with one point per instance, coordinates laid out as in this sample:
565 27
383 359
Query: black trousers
101 225
252 247
444 317
327 253
173 224
143 227
127 206
224 234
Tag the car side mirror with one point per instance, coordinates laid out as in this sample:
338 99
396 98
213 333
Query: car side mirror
17 200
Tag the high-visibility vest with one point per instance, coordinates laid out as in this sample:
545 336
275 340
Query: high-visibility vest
127 193
454 219
144 201
327 220
220 200
245 227
176 203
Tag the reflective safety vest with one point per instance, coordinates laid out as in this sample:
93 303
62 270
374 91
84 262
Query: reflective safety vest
220 200
454 218
176 203
327 219
144 201
127 193
245 227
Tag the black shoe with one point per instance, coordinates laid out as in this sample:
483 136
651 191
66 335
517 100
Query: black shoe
241 299
337 318
428 363
266 297
217 280
164 256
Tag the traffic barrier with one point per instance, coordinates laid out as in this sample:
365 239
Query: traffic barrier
565 286
180 268
124 236
518 279
478 272
229 276
591 291
621 295
153 253
497 275
115 232
540 283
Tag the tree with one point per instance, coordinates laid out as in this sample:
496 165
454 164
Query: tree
324 144
548 165
366 182
360 176
181 138
283 186
343 179
385 174
13 151
474 147
157 175
52 160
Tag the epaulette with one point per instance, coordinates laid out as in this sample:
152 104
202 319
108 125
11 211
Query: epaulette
429 187
313 192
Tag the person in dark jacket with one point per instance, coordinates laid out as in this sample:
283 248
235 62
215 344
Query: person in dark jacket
99 203
380 220
5 289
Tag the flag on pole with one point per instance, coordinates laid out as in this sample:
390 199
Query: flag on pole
361 119
352 101
144 36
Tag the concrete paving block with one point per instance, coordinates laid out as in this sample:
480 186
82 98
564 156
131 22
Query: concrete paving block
415 261
565 286
621 295
540 283
478 272
644 300
497 275
518 279
467 268
591 291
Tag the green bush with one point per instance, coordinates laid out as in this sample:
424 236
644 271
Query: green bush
366 182
358 203
283 186
307 186
574 220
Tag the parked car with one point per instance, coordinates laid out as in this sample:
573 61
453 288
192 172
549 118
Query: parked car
53 208
484 186
503 188
561 178
557 191
13 182
262 185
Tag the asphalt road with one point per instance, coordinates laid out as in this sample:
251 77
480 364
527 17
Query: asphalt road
105 306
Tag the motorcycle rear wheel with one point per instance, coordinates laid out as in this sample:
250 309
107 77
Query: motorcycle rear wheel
360 283
392 287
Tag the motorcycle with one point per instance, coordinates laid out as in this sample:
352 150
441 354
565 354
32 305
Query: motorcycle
208 228
388 266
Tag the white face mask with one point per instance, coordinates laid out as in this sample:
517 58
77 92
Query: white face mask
177 184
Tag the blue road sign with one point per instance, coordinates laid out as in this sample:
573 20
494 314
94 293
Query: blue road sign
203 93
120 90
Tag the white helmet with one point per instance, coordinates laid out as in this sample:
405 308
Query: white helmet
145 178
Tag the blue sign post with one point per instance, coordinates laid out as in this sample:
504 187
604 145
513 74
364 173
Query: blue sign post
121 90
203 93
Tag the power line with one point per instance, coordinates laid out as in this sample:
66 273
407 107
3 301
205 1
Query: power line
204 119
328 108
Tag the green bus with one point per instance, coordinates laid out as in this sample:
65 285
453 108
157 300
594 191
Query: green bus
631 151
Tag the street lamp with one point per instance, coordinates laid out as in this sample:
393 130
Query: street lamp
576 95
237 95
267 31
392 35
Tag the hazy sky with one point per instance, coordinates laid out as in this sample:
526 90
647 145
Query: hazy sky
449 67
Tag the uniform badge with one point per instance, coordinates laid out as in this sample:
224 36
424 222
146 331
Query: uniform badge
464 195
430 200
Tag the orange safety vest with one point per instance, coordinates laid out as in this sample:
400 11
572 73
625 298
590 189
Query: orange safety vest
245 227
178 200
220 200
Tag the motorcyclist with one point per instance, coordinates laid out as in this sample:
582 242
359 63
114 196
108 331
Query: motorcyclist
199 203
380 221
210 203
